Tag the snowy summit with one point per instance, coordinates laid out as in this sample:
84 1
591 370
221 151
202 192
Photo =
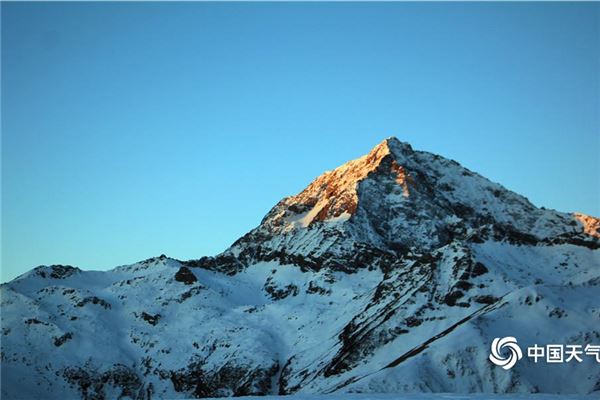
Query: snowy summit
392 273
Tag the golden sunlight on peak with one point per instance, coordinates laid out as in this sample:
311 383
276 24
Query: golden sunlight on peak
591 225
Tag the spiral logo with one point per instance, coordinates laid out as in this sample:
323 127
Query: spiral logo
498 344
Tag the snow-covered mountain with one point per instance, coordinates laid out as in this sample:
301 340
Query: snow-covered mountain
391 273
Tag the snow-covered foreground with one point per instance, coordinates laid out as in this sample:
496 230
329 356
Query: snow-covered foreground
425 396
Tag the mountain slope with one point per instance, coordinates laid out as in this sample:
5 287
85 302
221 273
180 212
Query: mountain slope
391 273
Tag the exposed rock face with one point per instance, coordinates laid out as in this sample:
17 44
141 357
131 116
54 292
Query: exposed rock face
391 273
185 275
591 225
389 203
334 194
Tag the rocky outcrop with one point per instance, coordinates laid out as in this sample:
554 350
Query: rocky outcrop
185 275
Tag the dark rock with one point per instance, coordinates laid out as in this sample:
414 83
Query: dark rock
413 321
62 271
557 313
227 380
189 293
314 288
507 233
463 285
94 300
56 271
225 263
451 298
479 269
92 384
186 276
34 321
280 293
151 319
59 341
485 299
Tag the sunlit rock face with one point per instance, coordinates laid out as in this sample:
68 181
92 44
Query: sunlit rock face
391 273
591 225
389 203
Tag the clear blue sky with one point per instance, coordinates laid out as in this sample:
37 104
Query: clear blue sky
131 130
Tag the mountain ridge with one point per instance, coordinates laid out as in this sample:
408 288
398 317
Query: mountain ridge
390 273
333 198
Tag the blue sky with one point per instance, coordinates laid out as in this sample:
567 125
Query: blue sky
131 130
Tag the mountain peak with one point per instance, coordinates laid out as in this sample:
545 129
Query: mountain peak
397 144
333 195
396 199
391 145
430 263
